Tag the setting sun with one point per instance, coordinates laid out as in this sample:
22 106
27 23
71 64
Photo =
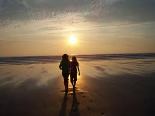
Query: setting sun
72 39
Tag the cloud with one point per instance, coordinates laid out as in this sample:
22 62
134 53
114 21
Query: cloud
38 9
125 11
134 10
11 9
100 11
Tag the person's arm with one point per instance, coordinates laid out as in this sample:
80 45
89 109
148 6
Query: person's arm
60 66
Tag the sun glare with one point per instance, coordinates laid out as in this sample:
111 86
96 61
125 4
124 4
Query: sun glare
72 39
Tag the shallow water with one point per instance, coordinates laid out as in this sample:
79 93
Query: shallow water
118 67
17 74
13 73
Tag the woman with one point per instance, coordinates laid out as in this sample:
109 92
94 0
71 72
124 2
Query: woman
65 66
74 66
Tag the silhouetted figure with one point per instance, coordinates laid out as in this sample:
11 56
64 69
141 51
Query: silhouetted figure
65 66
74 66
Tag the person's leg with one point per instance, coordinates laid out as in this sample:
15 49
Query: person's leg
66 86
71 79
74 83
75 79
66 82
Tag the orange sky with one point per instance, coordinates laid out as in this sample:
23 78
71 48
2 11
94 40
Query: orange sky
104 26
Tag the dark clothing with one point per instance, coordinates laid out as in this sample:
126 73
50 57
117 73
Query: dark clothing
73 72
73 66
73 77
65 66
65 76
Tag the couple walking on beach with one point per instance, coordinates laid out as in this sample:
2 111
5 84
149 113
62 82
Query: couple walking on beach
69 68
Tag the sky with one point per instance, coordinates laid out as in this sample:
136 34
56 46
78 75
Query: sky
42 27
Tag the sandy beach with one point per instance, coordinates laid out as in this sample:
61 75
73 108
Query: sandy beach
104 88
112 41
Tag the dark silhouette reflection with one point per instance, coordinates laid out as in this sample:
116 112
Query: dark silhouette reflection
74 109
63 110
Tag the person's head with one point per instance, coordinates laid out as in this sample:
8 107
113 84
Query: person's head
74 59
65 57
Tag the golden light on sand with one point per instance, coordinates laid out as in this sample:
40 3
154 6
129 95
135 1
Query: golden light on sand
72 39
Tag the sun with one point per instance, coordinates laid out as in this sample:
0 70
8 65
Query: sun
72 39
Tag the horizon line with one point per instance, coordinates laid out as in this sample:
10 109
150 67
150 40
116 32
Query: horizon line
152 53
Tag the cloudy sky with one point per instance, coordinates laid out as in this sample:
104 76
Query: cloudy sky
42 27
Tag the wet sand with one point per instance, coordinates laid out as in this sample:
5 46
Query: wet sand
34 91
122 96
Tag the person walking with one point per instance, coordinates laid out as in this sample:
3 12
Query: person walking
65 67
74 69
